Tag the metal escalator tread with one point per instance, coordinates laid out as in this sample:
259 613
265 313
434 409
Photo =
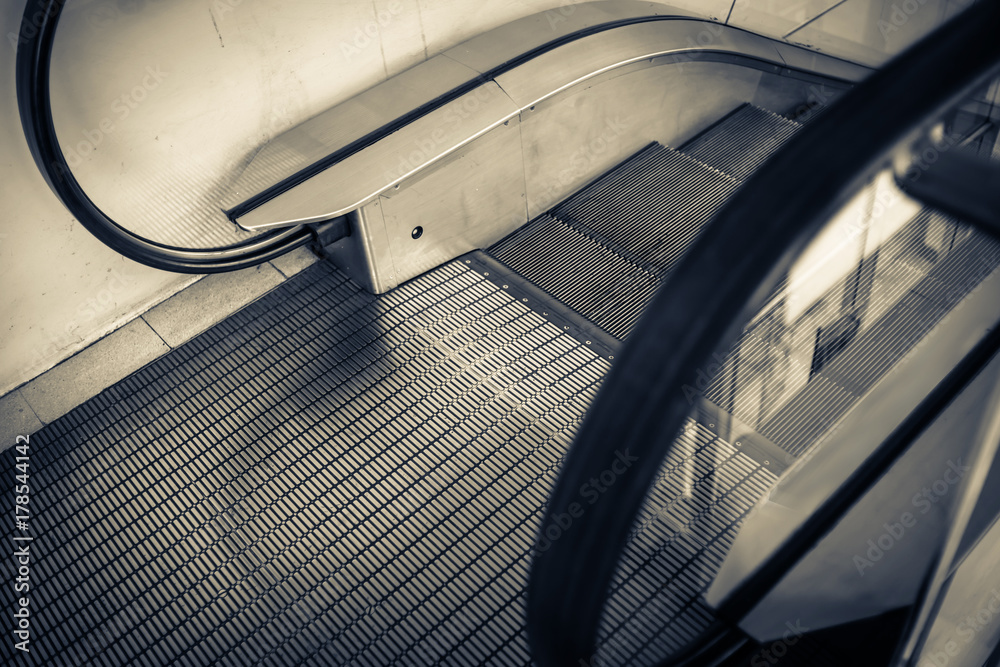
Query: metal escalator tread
332 477
740 143
653 213
702 491
637 220
631 168
606 288
605 250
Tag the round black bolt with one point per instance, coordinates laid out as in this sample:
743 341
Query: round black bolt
417 232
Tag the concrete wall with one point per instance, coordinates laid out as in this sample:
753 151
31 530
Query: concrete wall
160 103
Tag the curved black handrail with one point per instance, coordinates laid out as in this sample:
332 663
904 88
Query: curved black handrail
34 58
722 280
37 35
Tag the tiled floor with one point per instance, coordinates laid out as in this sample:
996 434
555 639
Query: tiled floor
126 350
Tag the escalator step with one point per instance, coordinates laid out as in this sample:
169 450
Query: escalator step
596 282
654 213
636 221
703 489
741 142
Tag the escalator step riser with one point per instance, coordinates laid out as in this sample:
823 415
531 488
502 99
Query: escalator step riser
657 227
552 255
741 143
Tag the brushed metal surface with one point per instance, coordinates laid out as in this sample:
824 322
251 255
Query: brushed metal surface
560 146
361 177
365 255
469 201
571 139
549 73
345 123
355 180
492 49
806 60
480 166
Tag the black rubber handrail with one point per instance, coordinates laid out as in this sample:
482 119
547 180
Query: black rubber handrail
34 53
34 59
722 280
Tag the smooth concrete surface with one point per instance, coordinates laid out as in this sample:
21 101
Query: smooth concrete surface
160 104
95 369
864 31
60 288
776 19
209 301
873 32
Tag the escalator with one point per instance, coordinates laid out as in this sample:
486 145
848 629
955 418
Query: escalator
350 478
332 476
355 479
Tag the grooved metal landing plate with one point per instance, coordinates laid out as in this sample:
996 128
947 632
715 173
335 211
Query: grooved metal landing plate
331 477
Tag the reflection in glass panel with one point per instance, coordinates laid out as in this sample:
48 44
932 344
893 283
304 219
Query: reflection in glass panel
871 286
859 299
